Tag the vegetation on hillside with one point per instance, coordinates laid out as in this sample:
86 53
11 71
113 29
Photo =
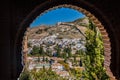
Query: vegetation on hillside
94 55
91 59
42 74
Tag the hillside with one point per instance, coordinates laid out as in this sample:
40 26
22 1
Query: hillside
70 30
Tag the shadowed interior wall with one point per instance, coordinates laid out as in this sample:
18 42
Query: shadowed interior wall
15 12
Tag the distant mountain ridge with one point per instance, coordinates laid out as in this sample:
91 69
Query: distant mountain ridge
75 29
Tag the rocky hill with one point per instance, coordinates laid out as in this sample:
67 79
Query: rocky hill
70 30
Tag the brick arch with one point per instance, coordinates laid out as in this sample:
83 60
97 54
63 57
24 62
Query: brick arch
106 39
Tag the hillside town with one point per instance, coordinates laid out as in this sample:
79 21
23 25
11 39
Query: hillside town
51 41
65 51
57 52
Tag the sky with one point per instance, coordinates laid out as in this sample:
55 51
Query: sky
57 15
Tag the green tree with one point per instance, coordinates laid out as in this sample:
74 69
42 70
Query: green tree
58 49
35 50
67 51
94 55
45 74
63 55
25 75
80 52
46 60
41 51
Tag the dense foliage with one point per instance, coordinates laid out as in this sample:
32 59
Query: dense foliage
42 74
25 75
94 55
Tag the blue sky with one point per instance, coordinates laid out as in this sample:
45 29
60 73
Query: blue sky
57 15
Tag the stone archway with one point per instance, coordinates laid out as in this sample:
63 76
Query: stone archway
106 39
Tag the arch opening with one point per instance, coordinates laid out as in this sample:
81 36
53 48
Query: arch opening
106 42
